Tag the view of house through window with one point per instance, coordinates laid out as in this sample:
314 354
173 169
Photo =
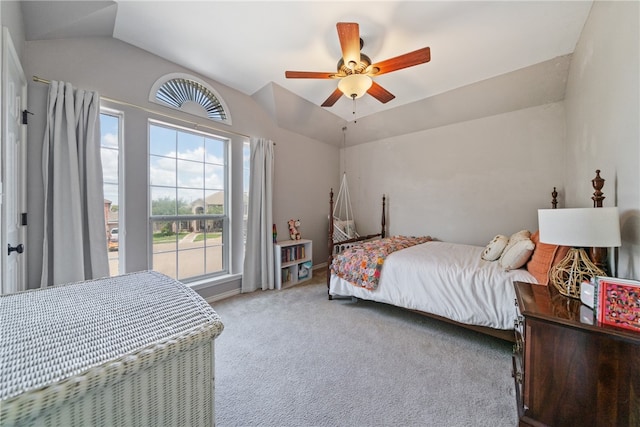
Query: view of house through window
109 151
188 192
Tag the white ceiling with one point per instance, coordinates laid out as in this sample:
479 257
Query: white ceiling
247 45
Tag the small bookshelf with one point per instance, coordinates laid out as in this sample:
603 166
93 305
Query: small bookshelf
293 262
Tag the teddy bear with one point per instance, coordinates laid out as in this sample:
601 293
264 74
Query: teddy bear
294 234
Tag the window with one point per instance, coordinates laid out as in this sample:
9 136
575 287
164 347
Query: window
110 154
190 95
189 202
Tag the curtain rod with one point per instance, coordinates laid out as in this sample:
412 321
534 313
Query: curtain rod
128 104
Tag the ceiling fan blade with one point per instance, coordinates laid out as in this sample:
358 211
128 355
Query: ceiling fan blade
309 75
380 93
349 35
410 59
332 98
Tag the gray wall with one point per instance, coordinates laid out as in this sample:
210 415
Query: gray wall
464 182
603 119
305 168
11 17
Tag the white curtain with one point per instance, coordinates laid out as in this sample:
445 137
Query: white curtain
258 257
75 242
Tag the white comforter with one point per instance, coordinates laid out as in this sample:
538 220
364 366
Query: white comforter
447 279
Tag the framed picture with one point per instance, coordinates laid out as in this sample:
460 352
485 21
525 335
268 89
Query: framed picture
618 302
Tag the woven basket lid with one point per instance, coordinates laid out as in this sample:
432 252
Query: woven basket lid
61 331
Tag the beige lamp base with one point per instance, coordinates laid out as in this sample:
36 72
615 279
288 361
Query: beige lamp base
574 269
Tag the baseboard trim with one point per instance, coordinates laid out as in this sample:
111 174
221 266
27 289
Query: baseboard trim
233 292
319 266
222 295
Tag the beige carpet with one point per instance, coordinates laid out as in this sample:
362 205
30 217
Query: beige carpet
293 358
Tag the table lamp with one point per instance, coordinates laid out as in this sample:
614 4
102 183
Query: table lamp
579 228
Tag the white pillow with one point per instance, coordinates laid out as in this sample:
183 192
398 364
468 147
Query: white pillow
495 247
517 254
516 237
520 235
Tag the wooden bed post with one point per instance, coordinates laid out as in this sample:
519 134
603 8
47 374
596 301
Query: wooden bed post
598 196
554 199
330 243
598 255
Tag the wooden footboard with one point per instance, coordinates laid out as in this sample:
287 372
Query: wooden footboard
335 248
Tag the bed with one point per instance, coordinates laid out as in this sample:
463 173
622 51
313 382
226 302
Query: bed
448 281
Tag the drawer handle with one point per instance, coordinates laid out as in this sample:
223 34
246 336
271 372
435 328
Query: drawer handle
517 347
518 376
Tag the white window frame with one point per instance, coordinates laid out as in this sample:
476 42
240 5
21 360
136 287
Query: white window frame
226 217
121 187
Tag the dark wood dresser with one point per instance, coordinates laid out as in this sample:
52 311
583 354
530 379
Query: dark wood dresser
569 372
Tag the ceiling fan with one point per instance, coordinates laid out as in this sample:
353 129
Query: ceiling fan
355 69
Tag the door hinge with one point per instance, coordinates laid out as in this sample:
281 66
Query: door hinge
25 114
23 218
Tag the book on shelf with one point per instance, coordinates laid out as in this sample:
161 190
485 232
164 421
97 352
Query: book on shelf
286 275
617 302
293 253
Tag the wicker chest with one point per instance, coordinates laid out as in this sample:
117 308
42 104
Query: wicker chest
132 350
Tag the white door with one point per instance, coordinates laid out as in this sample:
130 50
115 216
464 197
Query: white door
12 165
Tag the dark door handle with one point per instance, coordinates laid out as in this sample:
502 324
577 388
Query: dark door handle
19 248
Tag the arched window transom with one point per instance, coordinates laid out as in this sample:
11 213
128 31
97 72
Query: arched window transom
187 94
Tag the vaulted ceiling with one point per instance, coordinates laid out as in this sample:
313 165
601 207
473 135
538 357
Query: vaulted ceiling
249 45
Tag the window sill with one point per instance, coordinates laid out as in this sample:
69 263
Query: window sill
216 288
213 281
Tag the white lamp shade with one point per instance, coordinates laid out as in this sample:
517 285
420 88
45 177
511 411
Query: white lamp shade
580 227
355 85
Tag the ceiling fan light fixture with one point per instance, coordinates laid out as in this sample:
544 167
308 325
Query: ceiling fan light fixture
355 85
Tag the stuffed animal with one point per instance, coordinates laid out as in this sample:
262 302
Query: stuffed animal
294 234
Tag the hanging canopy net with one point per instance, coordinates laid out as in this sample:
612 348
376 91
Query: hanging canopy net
344 227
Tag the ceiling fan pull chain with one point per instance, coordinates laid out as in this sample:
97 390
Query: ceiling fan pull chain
354 109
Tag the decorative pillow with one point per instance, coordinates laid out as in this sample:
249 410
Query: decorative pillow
495 247
516 237
544 257
516 254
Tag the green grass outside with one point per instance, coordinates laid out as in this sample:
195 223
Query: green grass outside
200 236
159 238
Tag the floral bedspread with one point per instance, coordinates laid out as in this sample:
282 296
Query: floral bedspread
361 265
